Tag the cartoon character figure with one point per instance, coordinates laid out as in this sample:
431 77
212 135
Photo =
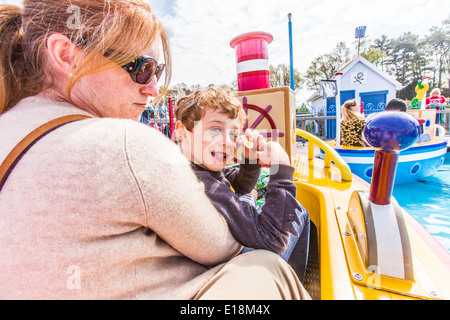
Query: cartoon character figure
421 91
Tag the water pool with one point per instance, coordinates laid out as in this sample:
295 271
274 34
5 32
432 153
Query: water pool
428 201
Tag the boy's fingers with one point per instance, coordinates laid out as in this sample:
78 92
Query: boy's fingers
261 143
247 143
251 134
239 142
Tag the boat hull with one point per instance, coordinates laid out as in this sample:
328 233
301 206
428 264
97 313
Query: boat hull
418 162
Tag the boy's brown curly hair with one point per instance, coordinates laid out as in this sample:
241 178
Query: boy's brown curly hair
192 108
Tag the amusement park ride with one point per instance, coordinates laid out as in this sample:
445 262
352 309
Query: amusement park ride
421 160
363 244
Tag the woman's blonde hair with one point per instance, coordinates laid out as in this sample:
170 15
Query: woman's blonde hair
118 29
348 113
192 108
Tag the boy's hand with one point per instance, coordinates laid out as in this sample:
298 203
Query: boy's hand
253 142
273 153
253 194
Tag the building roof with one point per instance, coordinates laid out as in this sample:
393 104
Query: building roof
348 66
371 66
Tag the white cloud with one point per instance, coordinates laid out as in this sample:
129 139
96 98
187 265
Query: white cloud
201 30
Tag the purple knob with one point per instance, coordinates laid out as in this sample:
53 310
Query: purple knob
388 132
391 131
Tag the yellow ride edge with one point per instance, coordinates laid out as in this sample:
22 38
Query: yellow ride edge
325 191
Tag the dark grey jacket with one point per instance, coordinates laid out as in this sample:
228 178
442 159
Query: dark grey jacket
268 229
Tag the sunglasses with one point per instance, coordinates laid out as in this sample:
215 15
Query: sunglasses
143 68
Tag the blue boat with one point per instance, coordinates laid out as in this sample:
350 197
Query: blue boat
420 161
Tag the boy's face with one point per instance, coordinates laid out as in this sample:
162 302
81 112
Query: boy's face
212 142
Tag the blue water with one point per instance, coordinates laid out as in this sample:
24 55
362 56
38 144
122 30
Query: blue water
428 201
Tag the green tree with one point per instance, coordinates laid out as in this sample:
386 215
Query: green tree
280 76
374 56
325 66
438 45
406 60
383 45
180 90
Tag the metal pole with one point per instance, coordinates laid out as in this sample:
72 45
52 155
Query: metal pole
172 127
338 109
291 51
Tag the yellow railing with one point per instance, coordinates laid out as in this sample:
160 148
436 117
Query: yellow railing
330 154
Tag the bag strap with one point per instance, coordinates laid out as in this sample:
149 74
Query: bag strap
22 147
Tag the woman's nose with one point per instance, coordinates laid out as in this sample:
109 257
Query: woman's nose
150 89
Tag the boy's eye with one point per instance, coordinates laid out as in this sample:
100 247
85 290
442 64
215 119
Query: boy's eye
234 135
216 130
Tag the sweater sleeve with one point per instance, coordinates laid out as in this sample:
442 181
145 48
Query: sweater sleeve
243 178
174 202
268 229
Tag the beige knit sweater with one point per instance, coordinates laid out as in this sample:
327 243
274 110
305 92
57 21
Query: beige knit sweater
103 209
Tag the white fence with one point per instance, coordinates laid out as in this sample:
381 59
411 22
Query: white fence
321 121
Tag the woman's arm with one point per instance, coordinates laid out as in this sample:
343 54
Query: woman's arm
175 204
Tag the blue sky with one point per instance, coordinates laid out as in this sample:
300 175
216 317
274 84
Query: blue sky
201 30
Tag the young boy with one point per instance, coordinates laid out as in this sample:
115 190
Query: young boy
209 125
396 105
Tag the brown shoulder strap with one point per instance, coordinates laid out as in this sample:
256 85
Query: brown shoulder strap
22 147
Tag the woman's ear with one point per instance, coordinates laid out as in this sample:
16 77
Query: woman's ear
180 131
61 53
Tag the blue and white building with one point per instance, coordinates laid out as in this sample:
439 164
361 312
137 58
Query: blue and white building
363 81
360 80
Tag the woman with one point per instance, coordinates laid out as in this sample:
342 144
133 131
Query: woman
84 214
352 125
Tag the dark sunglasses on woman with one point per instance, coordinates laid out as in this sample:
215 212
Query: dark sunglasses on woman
143 68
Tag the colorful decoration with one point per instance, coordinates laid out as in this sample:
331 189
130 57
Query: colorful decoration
252 60
421 91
